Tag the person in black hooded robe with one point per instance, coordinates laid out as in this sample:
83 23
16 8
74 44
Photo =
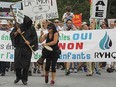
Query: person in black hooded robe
22 55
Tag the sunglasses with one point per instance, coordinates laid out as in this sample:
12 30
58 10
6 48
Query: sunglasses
56 22
49 28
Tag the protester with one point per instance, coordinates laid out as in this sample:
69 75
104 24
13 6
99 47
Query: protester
60 25
4 26
95 65
23 53
88 64
68 27
3 64
56 23
111 66
67 15
51 56
111 25
11 27
104 25
43 27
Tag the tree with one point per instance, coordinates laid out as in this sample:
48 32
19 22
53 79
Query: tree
78 6
111 9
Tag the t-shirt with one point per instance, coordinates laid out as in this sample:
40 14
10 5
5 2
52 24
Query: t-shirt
67 16
58 28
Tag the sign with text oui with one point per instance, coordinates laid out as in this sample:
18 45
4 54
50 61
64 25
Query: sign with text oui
99 8
40 9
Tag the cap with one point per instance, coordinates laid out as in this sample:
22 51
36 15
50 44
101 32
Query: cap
3 22
84 23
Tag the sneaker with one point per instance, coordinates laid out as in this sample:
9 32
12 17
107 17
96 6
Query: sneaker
62 68
89 75
38 71
75 70
67 72
52 83
34 70
109 70
46 79
98 73
71 71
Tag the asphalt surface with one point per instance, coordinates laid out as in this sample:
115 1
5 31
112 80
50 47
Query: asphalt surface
73 80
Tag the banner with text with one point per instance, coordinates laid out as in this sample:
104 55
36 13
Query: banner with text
40 9
76 46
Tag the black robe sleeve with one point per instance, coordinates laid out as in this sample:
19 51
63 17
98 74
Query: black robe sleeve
12 37
33 39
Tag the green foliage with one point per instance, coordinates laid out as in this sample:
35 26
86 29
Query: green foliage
112 9
78 6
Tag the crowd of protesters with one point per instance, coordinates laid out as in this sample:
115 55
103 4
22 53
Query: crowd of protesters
66 24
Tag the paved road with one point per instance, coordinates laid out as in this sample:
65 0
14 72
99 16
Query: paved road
74 80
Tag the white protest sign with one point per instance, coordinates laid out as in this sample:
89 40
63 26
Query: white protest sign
99 8
40 9
7 5
19 16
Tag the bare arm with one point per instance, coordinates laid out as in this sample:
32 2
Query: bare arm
42 37
54 40
63 17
